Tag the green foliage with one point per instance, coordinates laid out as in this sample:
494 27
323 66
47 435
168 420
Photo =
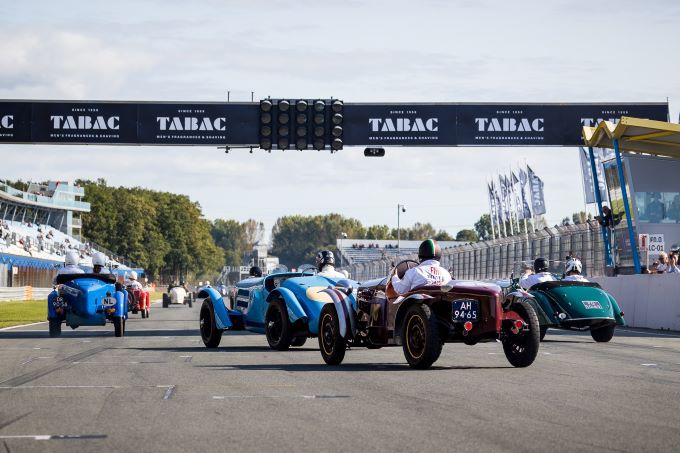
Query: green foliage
483 228
466 235
443 236
158 231
379 232
235 238
16 313
581 217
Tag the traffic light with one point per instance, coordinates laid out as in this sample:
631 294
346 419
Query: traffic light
302 124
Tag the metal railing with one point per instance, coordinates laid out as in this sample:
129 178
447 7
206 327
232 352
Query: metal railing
497 259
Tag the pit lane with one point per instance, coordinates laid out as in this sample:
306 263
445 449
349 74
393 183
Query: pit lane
159 389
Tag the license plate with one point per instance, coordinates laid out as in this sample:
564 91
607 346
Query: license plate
109 301
465 310
592 304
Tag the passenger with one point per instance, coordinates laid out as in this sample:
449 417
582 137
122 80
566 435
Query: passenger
428 273
255 271
99 263
539 275
71 264
132 281
572 271
325 265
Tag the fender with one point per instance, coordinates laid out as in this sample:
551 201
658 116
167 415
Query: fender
544 309
222 319
346 312
295 311
121 305
618 314
401 312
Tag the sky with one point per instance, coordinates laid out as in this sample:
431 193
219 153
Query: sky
358 51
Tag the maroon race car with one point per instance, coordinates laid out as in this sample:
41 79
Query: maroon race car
422 320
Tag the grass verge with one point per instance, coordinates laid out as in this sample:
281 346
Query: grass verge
14 313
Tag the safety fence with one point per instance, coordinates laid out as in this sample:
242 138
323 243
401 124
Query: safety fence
23 293
501 257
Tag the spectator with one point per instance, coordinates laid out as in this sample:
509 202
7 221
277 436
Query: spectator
673 264
663 263
608 219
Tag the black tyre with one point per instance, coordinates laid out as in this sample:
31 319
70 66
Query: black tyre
298 341
210 334
191 303
543 332
166 301
119 326
603 334
55 327
143 314
331 344
420 337
521 348
277 327
148 313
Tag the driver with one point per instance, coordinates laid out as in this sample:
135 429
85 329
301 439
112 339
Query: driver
540 274
572 271
99 263
132 281
428 273
255 271
71 264
325 265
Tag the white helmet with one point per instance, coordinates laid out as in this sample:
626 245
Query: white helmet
132 275
573 265
207 283
72 258
99 259
200 283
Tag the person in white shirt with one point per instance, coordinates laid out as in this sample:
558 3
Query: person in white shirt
428 273
71 264
539 275
672 264
325 265
572 271
99 263
132 281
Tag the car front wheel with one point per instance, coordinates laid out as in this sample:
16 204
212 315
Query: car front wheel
119 326
277 328
210 334
420 337
331 343
521 348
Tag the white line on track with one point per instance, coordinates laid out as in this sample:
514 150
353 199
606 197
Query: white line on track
56 436
169 392
23 325
79 387
648 364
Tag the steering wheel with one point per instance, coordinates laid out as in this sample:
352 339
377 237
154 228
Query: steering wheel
400 269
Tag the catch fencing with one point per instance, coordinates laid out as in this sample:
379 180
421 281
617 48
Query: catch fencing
23 293
501 257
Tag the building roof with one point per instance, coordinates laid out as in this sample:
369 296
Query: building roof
636 134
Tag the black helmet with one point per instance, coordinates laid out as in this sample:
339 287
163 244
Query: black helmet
324 257
429 250
540 265
255 272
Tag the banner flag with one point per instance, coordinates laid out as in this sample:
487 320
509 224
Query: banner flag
600 155
523 180
492 204
537 196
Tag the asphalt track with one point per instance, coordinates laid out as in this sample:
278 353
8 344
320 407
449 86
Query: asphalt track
159 389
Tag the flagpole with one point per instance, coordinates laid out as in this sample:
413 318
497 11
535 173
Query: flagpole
491 210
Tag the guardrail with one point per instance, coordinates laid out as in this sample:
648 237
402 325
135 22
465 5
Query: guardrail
23 293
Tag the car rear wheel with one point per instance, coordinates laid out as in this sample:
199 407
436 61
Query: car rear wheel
298 341
420 337
277 327
331 344
166 300
603 334
210 334
119 326
544 330
143 314
521 348
55 327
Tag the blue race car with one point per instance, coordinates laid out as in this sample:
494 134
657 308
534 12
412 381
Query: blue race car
87 300
285 307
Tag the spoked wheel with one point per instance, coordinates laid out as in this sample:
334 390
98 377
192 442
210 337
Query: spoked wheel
119 326
521 348
420 337
210 334
603 334
55 327
277 328
298 341
331 344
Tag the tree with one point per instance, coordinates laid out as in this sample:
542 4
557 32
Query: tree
466 235
378 232
565 221
443 235
235 238
483 228
581 217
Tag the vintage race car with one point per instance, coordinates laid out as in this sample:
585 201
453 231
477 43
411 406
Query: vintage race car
284 306
87 300
138 301
422 320
178 295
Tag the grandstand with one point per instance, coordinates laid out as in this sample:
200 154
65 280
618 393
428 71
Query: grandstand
355 251
38 227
